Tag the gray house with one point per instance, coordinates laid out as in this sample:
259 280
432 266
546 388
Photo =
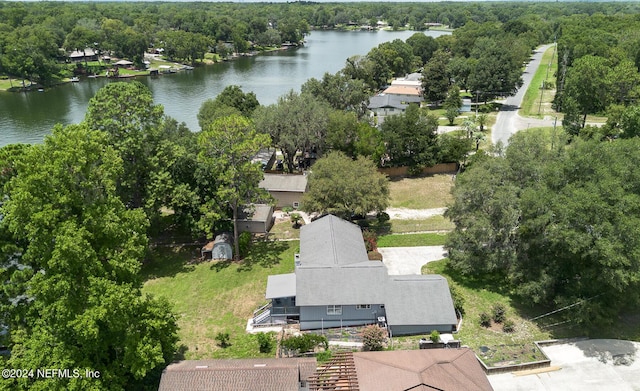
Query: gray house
286 189
335 284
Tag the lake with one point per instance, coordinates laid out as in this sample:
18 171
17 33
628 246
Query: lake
28 117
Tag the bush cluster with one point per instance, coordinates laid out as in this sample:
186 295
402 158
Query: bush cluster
373 338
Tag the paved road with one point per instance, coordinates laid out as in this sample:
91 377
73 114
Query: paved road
508 121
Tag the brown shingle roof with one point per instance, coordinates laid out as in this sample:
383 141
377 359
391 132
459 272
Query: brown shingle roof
444 369
237 375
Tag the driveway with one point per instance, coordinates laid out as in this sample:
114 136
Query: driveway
591 365
409 260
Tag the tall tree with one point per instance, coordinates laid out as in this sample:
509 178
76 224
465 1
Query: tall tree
423 46
76 293
232 100
345 187
297 123
340 92
435 77
132 122
227 147
411 138
586 84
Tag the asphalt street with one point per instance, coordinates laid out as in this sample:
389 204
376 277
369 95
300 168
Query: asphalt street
508 121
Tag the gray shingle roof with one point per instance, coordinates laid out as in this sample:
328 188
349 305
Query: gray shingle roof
386 101
331 241
335 269
284 182
417 300
255 212
334 265
237 375
281 285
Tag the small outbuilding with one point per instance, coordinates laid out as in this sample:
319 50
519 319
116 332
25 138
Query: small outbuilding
255 218
221 248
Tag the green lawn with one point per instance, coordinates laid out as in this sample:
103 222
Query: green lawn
480 294
428 192
212 297
531 106
410 240
435 223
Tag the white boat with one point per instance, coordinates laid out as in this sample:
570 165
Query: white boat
75 79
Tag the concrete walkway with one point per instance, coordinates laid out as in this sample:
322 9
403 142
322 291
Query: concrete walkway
409 260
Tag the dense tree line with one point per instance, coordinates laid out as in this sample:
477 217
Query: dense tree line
557 221
598 60
31 34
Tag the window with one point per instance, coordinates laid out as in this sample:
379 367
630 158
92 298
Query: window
363 306
334 310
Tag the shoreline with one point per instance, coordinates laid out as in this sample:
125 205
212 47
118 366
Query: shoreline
174 68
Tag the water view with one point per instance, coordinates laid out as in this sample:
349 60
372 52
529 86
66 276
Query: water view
28 117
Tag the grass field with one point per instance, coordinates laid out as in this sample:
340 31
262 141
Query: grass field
212 297
433 191
545 73
410 240
435 223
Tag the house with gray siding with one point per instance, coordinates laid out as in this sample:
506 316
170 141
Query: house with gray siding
335 285
286 189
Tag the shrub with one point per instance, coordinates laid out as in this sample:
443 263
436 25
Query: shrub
458 299
305 342
370 239
223 339
485 319
374 256
383 217
508 326
373 338
324 356
244 243
296 219
434 336
287 209
499 312
265 342
414 171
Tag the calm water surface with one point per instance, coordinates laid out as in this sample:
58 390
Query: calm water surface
28 117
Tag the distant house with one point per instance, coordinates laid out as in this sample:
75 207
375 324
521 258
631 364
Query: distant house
335 284
434 369
256 218
88 55
123 63
268 374
287 189
384 105
404 91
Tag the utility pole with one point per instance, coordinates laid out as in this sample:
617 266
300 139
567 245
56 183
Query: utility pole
541 92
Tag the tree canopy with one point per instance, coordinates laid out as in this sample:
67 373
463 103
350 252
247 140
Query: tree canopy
225 151
345 187
558 223
74 288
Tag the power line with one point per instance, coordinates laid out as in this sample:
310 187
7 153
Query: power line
563 308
